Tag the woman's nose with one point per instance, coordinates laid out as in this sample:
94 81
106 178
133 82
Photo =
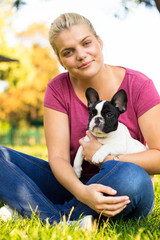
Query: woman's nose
81 54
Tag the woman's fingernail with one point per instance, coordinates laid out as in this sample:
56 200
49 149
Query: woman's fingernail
114 191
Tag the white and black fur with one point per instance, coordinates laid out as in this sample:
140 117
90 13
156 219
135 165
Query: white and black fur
103 124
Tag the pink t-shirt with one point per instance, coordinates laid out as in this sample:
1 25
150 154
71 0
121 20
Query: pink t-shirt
60 96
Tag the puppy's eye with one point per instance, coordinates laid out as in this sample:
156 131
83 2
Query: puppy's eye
93 112
109 114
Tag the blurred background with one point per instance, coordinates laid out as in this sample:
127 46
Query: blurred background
130 30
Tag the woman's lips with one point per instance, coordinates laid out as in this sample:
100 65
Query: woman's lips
85 65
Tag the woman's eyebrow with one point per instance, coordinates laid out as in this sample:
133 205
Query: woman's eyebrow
85 38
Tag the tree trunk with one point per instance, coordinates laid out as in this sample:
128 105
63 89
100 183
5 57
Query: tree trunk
157 2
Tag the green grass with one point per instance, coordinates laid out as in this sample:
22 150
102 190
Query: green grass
146 229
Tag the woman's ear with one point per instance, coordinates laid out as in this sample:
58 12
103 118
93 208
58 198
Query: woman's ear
100 41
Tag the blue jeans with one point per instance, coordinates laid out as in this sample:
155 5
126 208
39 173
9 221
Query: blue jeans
28 184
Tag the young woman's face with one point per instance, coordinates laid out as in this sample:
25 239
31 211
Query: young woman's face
80 52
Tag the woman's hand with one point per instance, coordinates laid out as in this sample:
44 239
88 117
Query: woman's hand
89 148
109 206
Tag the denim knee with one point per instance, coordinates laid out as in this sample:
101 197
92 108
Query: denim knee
127 178
140 190
131 180
136 180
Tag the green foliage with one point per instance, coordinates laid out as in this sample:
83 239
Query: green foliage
25 135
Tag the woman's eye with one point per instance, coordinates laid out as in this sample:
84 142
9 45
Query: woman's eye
87 43
109 114
67 53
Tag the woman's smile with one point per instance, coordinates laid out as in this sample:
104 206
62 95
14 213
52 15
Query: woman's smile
85 65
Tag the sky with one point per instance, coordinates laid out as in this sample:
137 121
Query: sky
131 41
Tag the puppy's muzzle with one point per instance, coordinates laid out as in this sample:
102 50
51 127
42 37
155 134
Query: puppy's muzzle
98 121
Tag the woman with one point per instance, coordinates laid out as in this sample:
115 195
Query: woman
116 188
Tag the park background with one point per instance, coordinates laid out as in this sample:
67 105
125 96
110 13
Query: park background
130 33
131 37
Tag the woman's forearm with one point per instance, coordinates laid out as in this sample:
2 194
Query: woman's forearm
149 160
65 174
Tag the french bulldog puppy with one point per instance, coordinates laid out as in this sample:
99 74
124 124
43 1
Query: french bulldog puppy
104 125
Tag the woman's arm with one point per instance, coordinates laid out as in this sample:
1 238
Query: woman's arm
149 160
56 125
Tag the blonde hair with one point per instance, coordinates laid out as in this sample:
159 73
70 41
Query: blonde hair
65 21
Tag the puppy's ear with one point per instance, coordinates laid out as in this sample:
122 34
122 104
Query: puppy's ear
119 100
92 96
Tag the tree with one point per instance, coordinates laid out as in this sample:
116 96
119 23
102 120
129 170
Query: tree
24 101
28 80
151 3
5 69
127 5
148 3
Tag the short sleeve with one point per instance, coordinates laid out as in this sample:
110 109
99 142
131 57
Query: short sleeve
147 97
54 96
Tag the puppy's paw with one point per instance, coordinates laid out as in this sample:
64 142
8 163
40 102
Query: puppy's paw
98 157
78 171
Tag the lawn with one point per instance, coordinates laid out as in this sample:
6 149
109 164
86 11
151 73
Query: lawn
146 229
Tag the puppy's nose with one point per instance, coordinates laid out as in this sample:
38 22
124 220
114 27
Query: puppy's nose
98 120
